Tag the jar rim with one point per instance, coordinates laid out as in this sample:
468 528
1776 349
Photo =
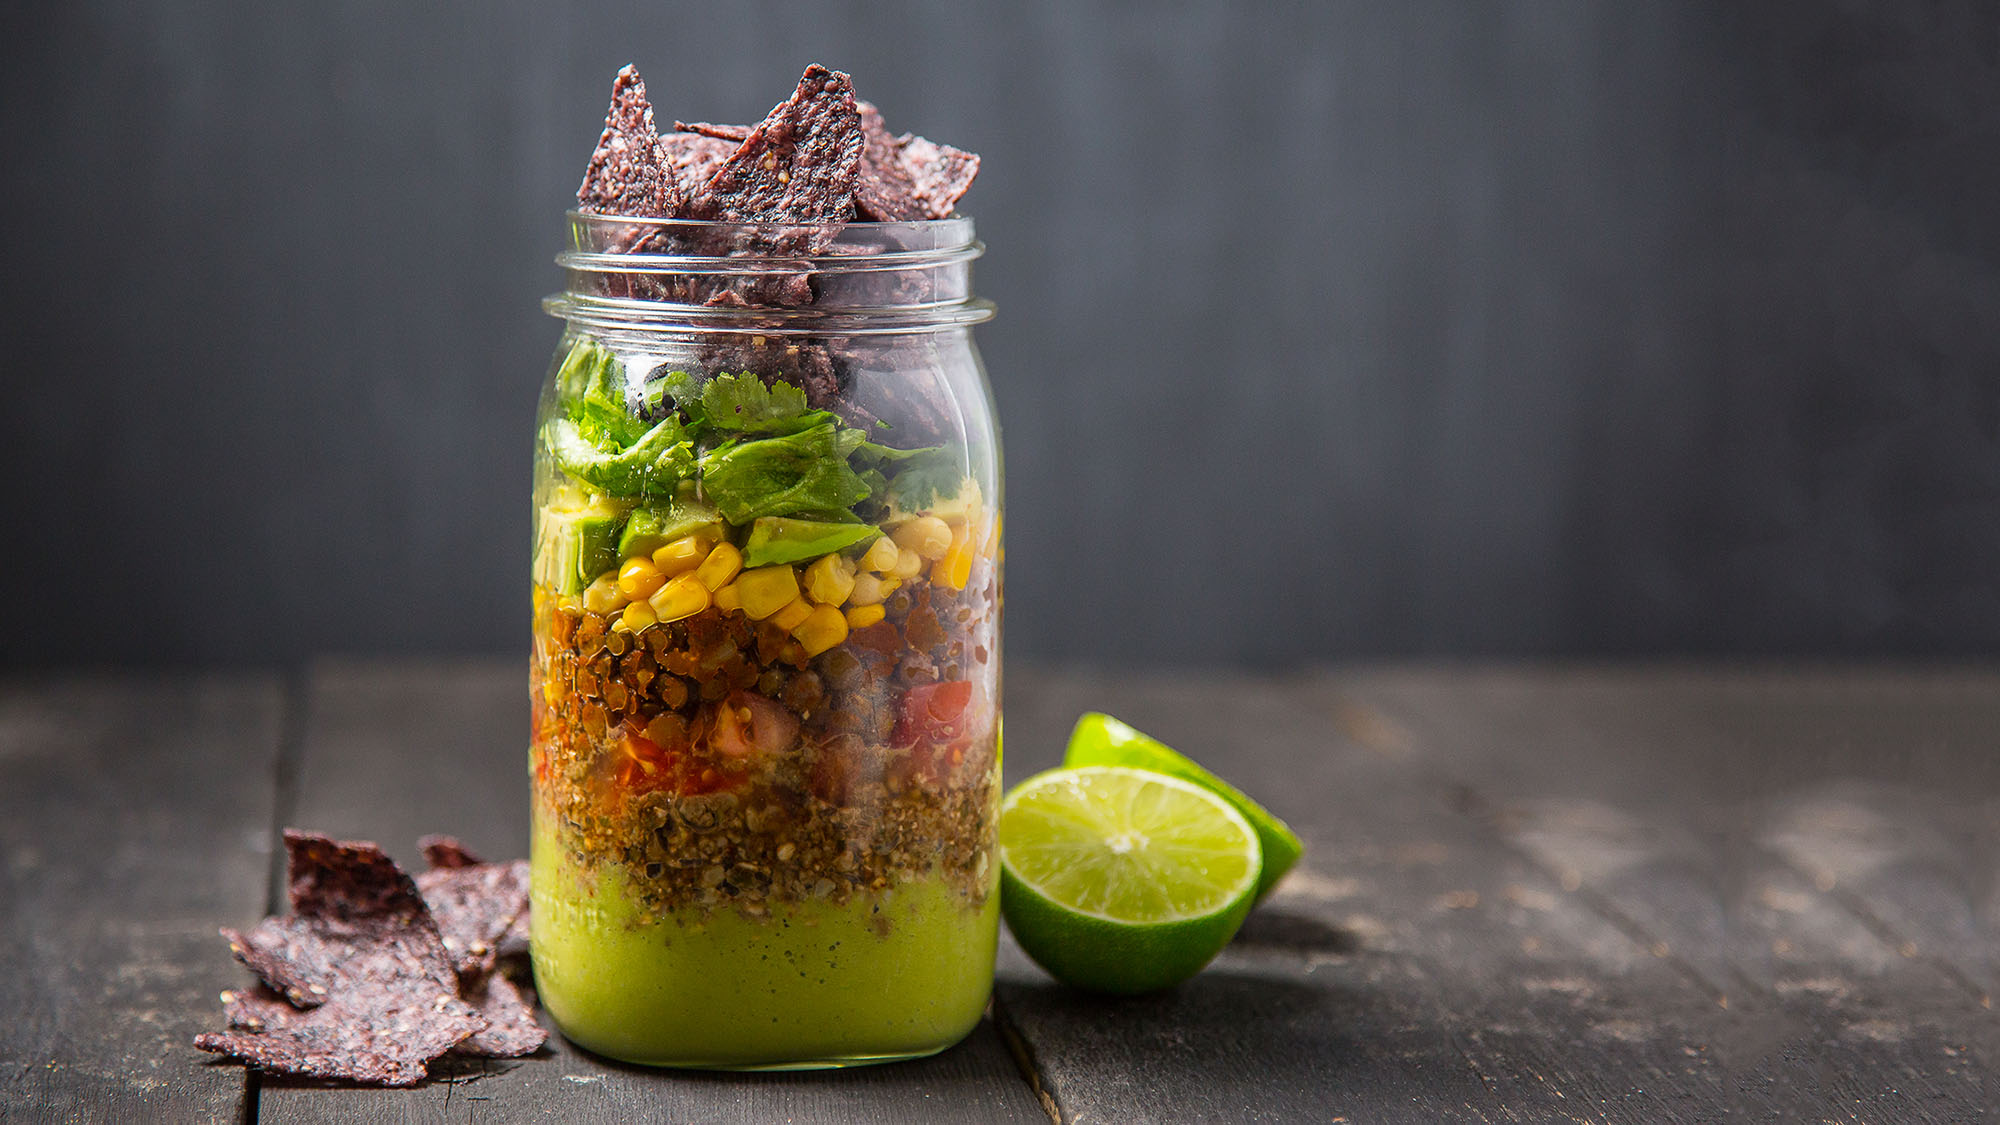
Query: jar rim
603 273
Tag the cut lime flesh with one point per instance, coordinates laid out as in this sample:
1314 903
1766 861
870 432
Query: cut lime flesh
1101 740
1123 880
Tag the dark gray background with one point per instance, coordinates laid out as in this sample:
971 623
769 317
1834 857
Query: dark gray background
1326 331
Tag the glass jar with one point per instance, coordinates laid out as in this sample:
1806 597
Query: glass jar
766 672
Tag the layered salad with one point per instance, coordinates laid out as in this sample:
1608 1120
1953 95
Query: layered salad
765 715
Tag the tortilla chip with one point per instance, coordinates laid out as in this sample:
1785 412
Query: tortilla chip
475 905
797 167
692 159
511 1030
884 192
941 173
379 1037
373 993
628 174
447 851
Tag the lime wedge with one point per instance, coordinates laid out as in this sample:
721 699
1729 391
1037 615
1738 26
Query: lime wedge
1123 880
1100 740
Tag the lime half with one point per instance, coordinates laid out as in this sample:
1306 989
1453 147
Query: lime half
1100 740
1123 880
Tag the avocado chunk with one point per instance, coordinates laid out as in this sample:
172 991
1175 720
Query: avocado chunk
782 539
577 545
649 529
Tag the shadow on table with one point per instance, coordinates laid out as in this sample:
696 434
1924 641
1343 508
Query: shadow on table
1232 1041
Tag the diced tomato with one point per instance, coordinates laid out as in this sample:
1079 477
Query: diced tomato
938 723
934 713
643 765
748 724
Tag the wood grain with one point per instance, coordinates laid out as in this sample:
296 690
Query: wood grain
135 814
1805 845
395 751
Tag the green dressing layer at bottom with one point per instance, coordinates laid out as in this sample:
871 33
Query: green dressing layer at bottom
895 975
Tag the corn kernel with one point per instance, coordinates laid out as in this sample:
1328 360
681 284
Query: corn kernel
830 580
602 596
766 590
722 564
682 555
870 589
684 596
822 629
955 568
862 616
789 617
639 579
638 616
881 556
926 535
727 600
909 564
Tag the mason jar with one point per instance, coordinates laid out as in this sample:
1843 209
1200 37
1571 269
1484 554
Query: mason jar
766 664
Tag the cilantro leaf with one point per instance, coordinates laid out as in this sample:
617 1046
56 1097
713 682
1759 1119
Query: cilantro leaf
805 471
743 404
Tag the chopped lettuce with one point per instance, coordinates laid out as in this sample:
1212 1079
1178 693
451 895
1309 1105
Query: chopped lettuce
757 451
776 476
648 469
592 385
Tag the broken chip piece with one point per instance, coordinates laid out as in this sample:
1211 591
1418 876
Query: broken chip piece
511 1030
475 903
368 1034
359 982
941 174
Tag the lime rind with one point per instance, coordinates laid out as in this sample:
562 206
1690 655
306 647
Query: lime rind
1103 740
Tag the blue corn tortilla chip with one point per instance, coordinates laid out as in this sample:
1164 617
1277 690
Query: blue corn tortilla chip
629 173
511 1030
379 1036
796 168
474 903
357 982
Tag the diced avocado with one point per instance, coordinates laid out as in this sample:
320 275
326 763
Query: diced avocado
781 539
577 545
649 529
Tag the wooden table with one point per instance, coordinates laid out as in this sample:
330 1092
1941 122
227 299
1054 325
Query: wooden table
1530 894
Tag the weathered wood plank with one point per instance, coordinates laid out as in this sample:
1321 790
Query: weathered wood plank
394 751
1803 844
1412 970
134 818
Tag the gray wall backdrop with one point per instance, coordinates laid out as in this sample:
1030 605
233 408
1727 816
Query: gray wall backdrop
1326 330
